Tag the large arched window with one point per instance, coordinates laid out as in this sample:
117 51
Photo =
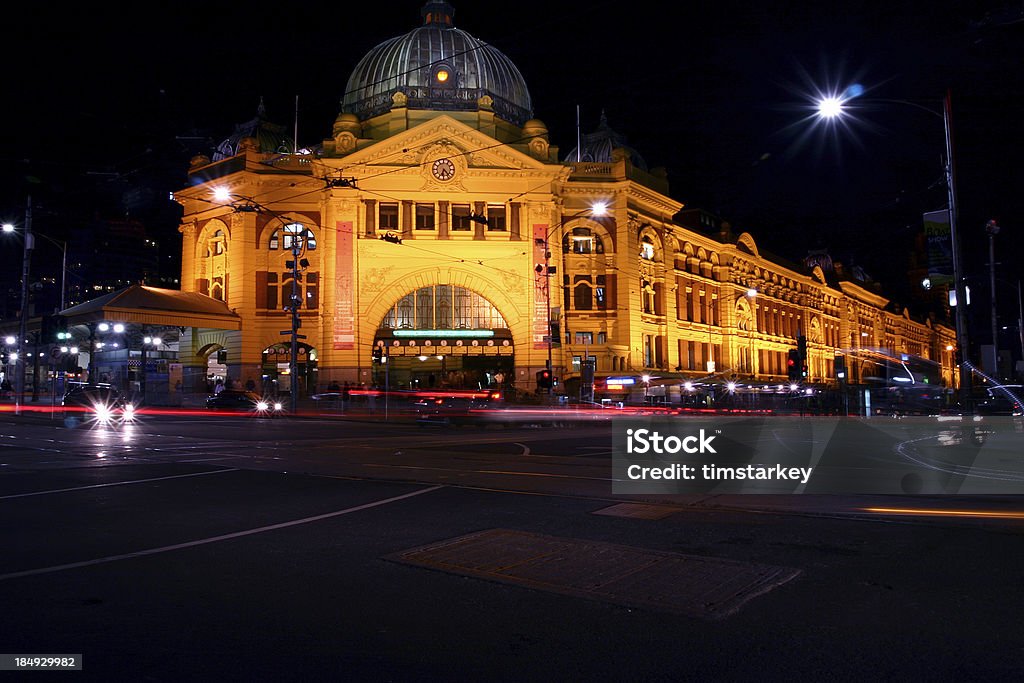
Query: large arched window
287 237
443 307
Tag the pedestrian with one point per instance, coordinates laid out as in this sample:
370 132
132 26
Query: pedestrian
250 384
219 387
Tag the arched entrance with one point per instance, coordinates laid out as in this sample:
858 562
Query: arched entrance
216 367
276 369
443 336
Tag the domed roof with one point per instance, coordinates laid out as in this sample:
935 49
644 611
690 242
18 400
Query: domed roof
437 67
600 145
258 134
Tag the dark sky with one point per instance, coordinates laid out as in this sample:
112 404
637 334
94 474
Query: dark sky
102 96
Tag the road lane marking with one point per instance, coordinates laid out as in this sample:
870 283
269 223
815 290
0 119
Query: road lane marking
115 483
520 474
212 539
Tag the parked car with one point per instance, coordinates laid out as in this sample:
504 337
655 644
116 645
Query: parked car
102 402
241 401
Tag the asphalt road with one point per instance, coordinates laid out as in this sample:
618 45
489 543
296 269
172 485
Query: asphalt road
187 548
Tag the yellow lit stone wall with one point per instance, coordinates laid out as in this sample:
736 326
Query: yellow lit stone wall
655 298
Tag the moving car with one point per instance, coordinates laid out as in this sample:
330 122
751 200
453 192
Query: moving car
101 402
1001 400
240 401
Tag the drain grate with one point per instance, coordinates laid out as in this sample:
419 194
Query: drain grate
638 511
696 586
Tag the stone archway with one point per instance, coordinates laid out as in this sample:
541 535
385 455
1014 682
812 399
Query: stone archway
443 336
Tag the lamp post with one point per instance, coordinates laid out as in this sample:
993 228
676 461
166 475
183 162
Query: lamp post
834 107
26 262
992 228
599 209
297 237
751 295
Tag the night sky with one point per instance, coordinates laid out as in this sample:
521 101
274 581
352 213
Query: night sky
105 104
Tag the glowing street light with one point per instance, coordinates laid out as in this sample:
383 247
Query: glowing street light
597 209
833 108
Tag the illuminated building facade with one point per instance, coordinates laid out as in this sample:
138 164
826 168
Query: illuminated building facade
440 225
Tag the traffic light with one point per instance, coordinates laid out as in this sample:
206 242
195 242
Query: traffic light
378 354
61 325
794 366
544 379
801 346
840 366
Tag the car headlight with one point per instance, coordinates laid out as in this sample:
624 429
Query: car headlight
103 412
278 406
129 412
262 406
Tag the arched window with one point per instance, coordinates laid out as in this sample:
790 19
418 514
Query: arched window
583 297
441 307
217 244
294 234
582 241
647 249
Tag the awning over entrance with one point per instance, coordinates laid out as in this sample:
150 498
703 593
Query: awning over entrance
155 306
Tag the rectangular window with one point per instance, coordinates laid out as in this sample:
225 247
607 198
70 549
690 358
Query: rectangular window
388 216
424 216
312 290
460 218
582 245
272 302
496 220
584 337
602 337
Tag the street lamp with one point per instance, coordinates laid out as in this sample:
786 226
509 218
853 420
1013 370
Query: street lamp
598 209
751 294
833 108
298 238
26 261
992 228
10 228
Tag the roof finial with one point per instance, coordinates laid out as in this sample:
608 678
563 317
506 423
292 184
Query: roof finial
261 111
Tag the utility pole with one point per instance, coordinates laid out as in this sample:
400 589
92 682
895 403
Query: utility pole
296 303
26 262
992 228
960 316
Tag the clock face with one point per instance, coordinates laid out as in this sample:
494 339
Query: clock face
443 169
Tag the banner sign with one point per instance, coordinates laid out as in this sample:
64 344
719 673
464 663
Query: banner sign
344 307
940 247
540 287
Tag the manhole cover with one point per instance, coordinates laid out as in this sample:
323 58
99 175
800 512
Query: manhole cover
634 577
